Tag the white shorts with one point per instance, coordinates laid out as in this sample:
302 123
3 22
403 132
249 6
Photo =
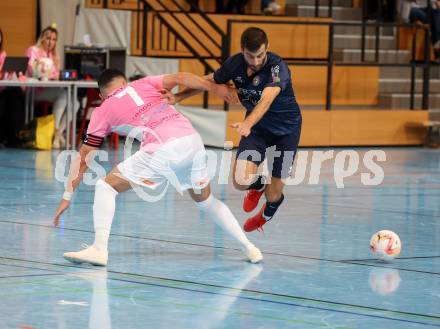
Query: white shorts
180 161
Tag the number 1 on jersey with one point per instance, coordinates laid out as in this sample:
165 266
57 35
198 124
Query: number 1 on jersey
130 91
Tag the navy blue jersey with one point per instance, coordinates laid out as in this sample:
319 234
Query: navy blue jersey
283 116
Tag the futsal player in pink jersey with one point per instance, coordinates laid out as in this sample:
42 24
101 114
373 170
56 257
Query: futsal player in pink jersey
171 150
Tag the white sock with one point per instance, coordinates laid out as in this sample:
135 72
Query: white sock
223 217
103 213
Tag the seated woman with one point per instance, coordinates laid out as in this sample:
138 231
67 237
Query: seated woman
44 64
2 52
425 12
11 107
270 7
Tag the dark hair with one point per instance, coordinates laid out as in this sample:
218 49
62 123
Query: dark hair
252 39
107 76
1 40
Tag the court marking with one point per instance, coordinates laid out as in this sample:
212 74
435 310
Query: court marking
327 204
436 214
275 295
58 189
351 262
27 275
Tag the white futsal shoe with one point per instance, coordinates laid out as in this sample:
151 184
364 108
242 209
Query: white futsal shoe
90 255
254 255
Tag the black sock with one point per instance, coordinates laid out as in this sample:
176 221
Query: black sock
258 184
272 207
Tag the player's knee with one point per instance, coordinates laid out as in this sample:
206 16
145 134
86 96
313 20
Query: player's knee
205 203
200 195
240 185
242 180
101 184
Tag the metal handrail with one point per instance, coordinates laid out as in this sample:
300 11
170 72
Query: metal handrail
182 25
197 24
329 12
210 22
185 43
329 61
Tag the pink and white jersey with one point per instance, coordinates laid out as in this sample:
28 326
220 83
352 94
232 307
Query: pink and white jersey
34 53
2 59
138 106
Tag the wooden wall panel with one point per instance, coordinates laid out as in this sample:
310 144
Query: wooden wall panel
125 4
136 38
298 41
355 85
133 4
316 128
351 85
18 21
353 127
221 20
406 36
298 36
94 4
253 7
387 127
357 3
309 84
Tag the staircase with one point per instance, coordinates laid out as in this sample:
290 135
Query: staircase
173 32
394 83
195 35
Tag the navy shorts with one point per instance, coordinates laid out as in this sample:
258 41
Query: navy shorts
280 151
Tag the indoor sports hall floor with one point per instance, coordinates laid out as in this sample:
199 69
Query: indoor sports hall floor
170 267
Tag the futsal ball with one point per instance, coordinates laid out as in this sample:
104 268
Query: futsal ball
42 68
384 281
385 245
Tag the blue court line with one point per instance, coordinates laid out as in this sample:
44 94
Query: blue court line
370 209
235 249
418 257
291 304
258 299
335 196
400 258
368 308
28 275
406 213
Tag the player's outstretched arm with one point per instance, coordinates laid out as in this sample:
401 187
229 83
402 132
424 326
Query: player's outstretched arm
188 92
195 85
266 100
76 172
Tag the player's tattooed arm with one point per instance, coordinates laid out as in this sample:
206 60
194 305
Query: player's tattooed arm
189 92
77 169
225 92
79 166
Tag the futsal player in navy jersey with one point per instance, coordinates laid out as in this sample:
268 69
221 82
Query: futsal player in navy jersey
271 128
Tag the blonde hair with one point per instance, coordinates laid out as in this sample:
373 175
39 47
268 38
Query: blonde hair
50 29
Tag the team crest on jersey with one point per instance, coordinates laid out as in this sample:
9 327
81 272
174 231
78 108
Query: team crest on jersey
250 95
275 73
256 81
239 79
